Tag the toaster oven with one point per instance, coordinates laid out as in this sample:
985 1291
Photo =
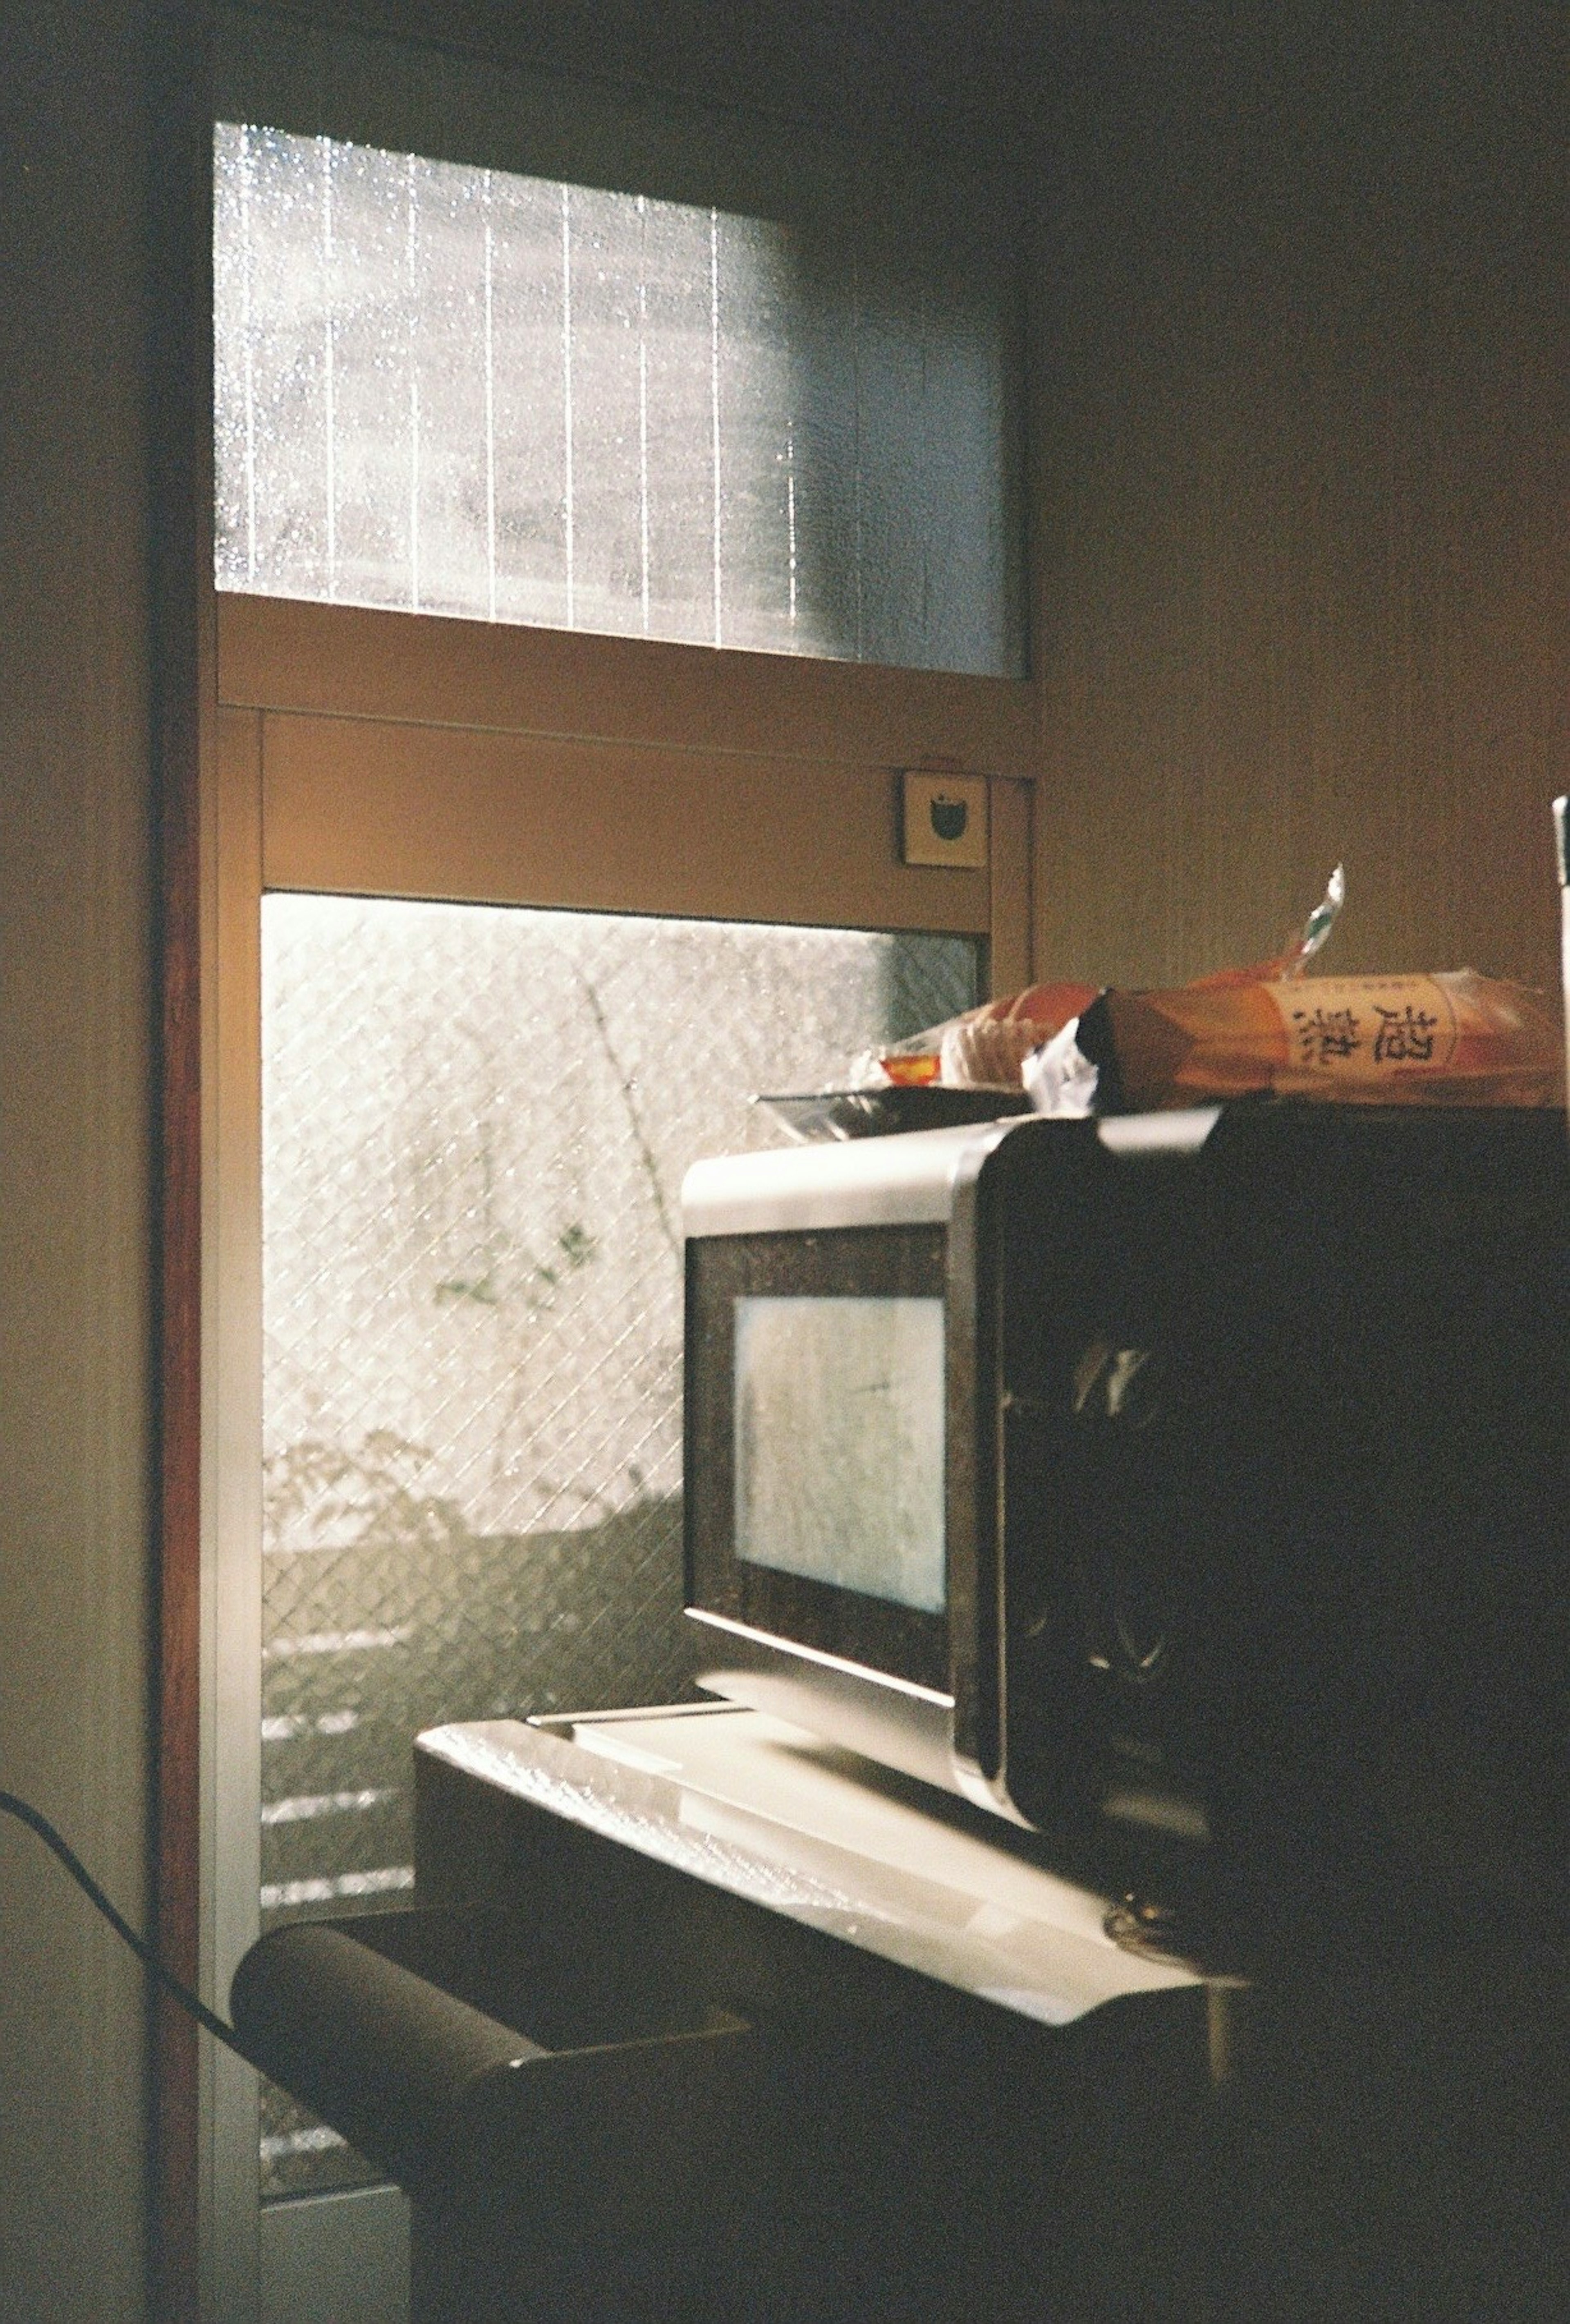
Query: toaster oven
1165 1472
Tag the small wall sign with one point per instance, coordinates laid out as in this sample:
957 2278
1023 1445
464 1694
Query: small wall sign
944 820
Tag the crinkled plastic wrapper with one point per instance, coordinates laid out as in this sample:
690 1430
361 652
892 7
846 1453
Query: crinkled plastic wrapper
987 1047
1454 1038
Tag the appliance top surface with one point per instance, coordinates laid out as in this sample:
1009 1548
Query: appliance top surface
773 1813
904 1180
908 1179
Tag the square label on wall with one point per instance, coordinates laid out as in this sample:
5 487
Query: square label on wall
944 820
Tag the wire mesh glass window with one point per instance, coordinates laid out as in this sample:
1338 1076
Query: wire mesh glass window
464 390
476 1124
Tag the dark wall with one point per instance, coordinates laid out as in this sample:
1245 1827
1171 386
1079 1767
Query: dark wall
75 1230
1303 392
920 69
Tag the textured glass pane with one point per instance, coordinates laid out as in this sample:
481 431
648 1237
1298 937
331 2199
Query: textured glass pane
677 264
755 301
281 276
462 391
234 352
529 400
450 379
372 403
476 1125
600 236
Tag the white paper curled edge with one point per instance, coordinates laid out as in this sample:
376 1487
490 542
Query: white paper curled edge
1059 1078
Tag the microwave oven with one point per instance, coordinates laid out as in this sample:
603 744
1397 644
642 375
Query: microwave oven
1187 1473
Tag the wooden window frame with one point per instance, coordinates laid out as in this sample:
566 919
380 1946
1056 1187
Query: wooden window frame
450 728
394 754
415 755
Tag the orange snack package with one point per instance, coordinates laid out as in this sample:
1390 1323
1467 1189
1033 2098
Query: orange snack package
986 1048
1455 1038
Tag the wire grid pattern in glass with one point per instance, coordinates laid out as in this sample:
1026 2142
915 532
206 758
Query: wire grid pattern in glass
456 390
476 1125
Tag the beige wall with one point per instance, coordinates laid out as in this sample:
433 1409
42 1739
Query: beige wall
74 1178
1302 368
1302 382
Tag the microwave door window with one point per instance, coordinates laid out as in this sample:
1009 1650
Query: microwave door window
839 1448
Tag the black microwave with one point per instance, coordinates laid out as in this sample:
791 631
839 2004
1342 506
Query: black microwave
1189 1472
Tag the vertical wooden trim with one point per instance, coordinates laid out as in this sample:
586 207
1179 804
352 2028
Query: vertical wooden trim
231 1678
178 161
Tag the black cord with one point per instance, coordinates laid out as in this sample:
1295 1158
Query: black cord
10 1804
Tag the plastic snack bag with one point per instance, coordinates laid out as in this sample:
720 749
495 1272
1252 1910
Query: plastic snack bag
986 1048
1455 1038
983 1049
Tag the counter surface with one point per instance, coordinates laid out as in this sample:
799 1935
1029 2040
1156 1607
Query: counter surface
772 1814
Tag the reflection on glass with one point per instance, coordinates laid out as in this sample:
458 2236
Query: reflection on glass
460 391
476 1123
839 1443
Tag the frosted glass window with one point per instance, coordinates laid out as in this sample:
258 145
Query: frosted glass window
475 1122
461 391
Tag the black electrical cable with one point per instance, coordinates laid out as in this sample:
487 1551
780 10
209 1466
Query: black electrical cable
24 1812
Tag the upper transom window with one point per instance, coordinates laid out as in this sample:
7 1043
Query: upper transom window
459 390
